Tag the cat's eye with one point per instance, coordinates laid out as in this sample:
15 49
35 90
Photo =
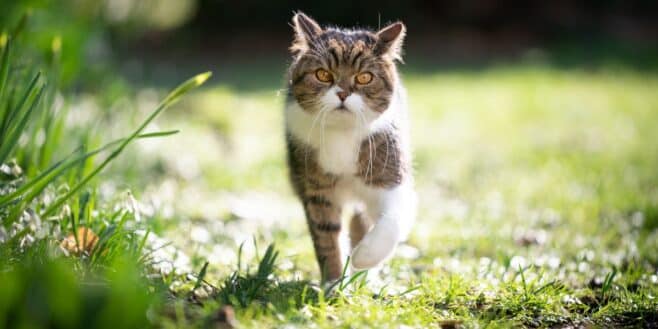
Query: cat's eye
323 75
363 78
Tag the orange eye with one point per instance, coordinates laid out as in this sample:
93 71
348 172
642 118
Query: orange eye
323 75
363 78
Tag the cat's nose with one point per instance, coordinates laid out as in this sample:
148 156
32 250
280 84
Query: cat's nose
342 95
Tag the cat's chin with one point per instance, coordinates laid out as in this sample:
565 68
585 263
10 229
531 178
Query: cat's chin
342 118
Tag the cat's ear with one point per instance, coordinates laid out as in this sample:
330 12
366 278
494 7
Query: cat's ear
389 41
306 30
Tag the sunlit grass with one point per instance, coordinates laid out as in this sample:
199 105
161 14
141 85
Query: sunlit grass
538 193
525 174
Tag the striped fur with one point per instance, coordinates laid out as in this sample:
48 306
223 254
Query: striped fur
349 149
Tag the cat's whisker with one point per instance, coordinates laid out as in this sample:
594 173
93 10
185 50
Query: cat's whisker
362 128
386 157
363 122
370 150
358 129
322 127
308 139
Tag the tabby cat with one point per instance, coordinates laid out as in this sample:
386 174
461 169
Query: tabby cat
347 141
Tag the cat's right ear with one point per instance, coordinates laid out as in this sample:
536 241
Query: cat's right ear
306 31
389 41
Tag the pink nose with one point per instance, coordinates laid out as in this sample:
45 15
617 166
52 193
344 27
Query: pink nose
342 95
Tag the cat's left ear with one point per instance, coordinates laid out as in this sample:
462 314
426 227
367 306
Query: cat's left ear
389 41
306 31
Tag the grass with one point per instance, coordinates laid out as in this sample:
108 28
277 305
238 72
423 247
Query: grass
41 286
538 206
538 199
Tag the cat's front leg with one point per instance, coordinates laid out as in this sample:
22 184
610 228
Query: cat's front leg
396 211
323 218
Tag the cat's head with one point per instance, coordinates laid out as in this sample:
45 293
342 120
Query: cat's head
348 73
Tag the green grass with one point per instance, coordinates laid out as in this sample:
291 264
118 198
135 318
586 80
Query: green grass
46 282
538 206
538 194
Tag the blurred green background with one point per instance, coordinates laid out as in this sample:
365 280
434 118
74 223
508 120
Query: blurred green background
535 156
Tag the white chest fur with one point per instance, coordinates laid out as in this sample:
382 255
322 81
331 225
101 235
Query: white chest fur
338 153
334 137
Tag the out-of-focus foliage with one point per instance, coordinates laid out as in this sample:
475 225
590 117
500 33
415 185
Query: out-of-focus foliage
49 278
77 34
39 292
63 33
132 16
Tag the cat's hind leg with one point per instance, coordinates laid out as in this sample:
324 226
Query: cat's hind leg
359 226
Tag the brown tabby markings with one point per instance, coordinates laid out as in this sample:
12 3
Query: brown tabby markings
345 55
382 162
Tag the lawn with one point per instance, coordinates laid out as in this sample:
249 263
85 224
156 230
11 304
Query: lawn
538 207
538 202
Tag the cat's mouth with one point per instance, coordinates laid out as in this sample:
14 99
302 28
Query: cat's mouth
342 107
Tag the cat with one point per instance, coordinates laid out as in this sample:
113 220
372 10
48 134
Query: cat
347 141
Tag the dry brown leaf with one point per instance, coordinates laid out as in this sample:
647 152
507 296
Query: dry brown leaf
86 241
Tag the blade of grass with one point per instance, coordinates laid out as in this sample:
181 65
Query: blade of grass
55 135
168 101
339 281
412 289
525 286
266 265
352 279
10 140
4 68
18 29
61 166
82 208
240 256
142 243
200 276
607 282
6 111
343 275
12 112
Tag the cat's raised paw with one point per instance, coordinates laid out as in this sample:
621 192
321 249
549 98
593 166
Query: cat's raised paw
366 256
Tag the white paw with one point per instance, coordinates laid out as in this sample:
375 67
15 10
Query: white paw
375 247
362 258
